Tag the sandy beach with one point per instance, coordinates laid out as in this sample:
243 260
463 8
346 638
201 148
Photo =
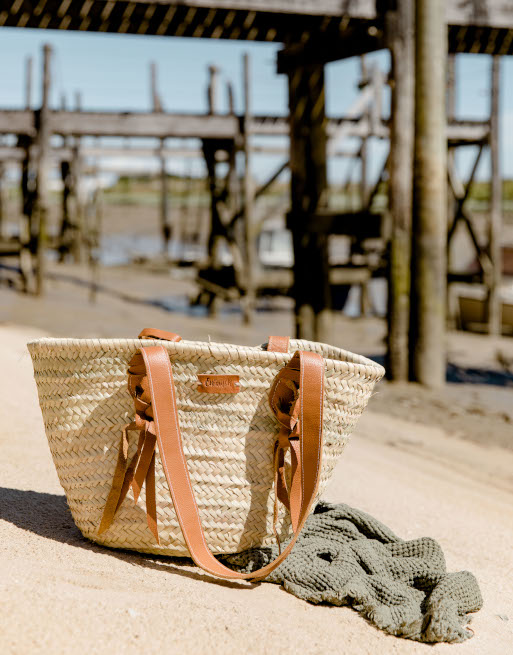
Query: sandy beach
425 464
337 170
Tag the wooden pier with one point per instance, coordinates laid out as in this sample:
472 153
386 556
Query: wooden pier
312 35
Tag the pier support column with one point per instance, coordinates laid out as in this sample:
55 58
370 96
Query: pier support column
248 303
165 223
427 335
495 225
3 204
311 291
401 42
42 143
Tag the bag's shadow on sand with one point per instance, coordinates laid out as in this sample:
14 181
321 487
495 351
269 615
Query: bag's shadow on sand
47 515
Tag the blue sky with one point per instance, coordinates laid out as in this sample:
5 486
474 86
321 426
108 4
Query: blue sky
112 72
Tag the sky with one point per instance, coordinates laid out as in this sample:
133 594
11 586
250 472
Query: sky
112 73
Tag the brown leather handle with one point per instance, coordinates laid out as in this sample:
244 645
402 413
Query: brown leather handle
274 344
278 344
163 402
153 333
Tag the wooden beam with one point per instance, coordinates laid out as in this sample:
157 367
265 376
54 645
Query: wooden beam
494 304
260 191
490 13
467 131
131 124
3 212
263 20
460 195
201 126
39 218
359 224
80 237
213 89
230 98
377 185
165 226
358 126
364 142
356 40
377 80
28 83
312 291
16 154
249 195
364 9
427 334
494 13
401 42
451 161
156 102
16 121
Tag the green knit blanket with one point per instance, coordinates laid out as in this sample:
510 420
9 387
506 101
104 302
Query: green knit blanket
346 557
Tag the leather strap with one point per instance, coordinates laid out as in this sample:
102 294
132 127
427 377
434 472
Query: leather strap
308 424
278 344
153 333
274 344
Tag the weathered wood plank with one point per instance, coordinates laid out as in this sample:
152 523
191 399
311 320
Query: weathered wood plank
361 224
43 134
143 124
17 121
400 39
312 293
350 26
2 199
356 39
249 195
28 83
165 224
494 304
427 334
164 125
491 13
364 9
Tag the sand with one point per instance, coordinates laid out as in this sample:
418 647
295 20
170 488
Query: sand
426 463
62 594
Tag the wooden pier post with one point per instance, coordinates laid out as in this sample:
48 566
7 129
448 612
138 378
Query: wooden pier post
215 237
165 225
28 202
427 345
27 191
3 211
42 143
212 89
312 292
452 312
28 82
401 42
67 228
79 232
364 154
495 225
249 236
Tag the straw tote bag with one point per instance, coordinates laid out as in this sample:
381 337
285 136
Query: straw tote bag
195 453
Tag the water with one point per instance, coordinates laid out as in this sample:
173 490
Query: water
122 249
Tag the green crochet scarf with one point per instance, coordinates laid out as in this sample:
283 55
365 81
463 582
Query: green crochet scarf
346 557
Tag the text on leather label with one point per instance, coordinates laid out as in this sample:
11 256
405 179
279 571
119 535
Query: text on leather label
218 383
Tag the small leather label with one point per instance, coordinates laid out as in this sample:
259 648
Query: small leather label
218 383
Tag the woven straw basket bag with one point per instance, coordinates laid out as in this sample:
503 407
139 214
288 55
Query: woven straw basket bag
195 452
